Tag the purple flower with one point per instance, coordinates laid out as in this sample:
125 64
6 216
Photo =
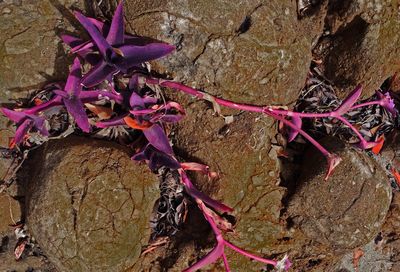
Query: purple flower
25 122
118 52
387 102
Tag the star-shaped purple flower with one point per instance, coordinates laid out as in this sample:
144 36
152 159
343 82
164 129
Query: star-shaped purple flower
118 52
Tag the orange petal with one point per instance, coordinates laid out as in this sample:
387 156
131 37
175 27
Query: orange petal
134 124
11 143
396 176
100 111
377 148
38 101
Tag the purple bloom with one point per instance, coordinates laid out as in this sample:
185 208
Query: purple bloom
118 52
387 102
25 122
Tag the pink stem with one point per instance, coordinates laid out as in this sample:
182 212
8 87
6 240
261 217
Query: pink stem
300 114
202 95
366 104
347 123
325 152
226 264
249 255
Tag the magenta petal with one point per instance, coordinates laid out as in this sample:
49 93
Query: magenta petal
98 74
72 41
333 161
134 83
22 130
210 258
136 101
75 108
15 116
349 101
73 85
134 54
157 138
292 133
104 47
116 33
39 124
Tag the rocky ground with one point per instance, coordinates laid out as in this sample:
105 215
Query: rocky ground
88 206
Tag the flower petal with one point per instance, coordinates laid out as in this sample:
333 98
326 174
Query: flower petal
333 161
134 54
136 101
292 133
39 124
71 41
157 138
349 101
98 74
22 130
15 116
73 85
75 107
104 47
116 33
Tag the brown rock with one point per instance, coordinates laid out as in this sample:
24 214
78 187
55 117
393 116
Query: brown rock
90 205
346 211
31 53
10 213
363 45
246 51
249 173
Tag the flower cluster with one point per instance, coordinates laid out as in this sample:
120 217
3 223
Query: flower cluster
134 106
101 92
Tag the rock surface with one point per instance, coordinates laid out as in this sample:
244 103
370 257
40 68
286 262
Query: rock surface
348 210
90 205
249 51
362 46
31 53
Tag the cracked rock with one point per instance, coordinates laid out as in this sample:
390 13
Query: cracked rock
265 62
31 53
346 211
89 205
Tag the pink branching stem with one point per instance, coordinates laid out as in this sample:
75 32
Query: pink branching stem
276 112
325 152
203 95
219 249
226 264
347 123
370 103
249 255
